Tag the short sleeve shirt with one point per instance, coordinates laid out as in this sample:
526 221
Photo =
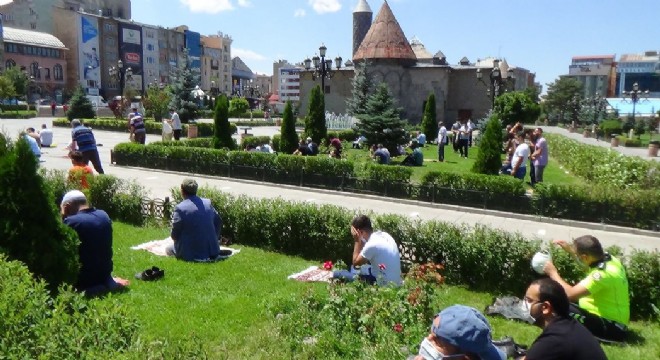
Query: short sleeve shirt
522 151
383 254
608 292
542 160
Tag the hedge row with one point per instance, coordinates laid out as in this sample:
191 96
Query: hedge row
156 128
602 204
604 166
15 107
30 115
480 257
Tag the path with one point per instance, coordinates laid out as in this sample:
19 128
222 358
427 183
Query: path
159 183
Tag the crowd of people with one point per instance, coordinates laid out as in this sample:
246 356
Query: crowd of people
523 147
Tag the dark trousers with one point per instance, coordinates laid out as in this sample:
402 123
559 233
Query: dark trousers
532 173
455 143
441 152
463 147
140 137
177 134
599 327
93 157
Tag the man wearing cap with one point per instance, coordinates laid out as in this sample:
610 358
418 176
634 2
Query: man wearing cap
94 229
84 140
196 227
603 304
563 338
459 332
138 129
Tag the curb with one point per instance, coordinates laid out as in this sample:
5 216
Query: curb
496 213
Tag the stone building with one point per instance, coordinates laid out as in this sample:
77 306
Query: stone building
410 71
216 64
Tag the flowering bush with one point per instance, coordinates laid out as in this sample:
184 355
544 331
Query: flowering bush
357 320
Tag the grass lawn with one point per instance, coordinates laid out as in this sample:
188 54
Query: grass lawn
454 163
229 305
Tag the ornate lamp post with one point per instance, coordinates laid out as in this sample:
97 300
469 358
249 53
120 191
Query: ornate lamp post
121 74
497 82
635 96
322 67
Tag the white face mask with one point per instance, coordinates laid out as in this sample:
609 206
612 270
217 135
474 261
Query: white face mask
527 311
429 352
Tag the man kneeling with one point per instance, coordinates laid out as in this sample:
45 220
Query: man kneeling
94 229
196 227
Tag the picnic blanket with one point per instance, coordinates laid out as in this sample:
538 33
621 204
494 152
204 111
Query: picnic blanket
158 247
312 274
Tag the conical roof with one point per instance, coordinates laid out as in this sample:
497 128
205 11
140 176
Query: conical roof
419 49
385 39
362 6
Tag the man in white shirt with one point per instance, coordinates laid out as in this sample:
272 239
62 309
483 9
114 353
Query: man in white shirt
176 124
442 141
46 136
377 248
519 159
470 126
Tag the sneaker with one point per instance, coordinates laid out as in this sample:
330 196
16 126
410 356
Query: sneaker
150 274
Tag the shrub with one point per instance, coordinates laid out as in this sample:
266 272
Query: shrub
203 129
430 121
31 229
489 158
315 126
221 128
238 106
254 141
276 142
289 138
343 135
609 127
632 143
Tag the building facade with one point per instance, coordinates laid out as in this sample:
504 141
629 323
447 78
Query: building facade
241 77
216 63
42 56
642 69
596 73
151 56
289 83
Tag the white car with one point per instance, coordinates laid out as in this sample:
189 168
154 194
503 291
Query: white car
97 101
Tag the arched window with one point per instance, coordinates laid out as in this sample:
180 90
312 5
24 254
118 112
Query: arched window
10 64
57 72
34 70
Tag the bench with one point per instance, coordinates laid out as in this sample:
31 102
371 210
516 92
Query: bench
245 131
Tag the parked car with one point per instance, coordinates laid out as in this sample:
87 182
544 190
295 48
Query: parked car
97 101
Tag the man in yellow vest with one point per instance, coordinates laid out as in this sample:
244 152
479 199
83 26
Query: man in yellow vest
603 304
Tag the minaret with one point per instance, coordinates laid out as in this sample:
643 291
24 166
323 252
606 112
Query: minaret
362 17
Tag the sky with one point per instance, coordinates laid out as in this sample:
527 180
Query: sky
539 35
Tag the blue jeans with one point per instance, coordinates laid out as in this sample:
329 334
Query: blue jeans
521 172
350 277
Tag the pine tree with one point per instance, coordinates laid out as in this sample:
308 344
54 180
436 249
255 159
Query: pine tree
362 85
430 121
80 106
31 229
381 123
315 126
489 159
289 137
184 80
221 129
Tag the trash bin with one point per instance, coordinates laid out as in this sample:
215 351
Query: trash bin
615 141
192 131
653 148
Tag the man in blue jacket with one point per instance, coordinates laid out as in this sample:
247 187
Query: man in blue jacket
196 227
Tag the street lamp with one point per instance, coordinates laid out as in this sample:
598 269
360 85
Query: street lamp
122 74
498 82
322 66
635 96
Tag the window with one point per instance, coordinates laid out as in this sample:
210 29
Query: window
34 70
109 41
47 73
57 72
109 27
10 64
33 26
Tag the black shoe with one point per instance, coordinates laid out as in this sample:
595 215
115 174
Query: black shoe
150 274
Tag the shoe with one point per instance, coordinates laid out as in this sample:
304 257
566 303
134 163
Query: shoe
150 274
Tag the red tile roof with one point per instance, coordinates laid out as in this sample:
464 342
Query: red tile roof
385 39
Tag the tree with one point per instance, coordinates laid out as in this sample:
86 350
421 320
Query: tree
7 89
315 126
184 80
430 120
289 137
238 106
561 95
381 123
221 129
362 86
19 79
157 102
31 229
516 106
489 159
79 106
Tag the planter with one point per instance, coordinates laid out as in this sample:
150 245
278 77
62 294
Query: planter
278 122
653 148
192 131
615 141
585 133
571 129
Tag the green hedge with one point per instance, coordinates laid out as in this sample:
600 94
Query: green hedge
30 115
480 257
156 128
15 107
254 141
590 203
343 135
604 166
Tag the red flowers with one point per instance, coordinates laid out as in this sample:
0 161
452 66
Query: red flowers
397 327
328 265
382 267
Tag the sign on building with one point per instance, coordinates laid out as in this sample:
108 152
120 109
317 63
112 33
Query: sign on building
130 52
88 54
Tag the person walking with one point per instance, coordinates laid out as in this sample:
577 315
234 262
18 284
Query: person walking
176 124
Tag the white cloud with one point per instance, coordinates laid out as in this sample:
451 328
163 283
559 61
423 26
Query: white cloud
325 6
245 54
299 13
208 6
244 3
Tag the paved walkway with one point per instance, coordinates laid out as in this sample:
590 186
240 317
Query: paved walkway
628 151
159 183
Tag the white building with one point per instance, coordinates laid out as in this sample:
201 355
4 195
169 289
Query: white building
289 83
151 54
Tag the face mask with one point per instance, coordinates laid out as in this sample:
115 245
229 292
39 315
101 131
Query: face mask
429 352
527 311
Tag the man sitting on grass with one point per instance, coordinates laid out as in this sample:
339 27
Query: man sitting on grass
603 300
376 248
381 155
563 338
416 158
196 227
462 333
94 229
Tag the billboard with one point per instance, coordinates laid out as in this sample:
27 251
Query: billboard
130 53
89 64
194 46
